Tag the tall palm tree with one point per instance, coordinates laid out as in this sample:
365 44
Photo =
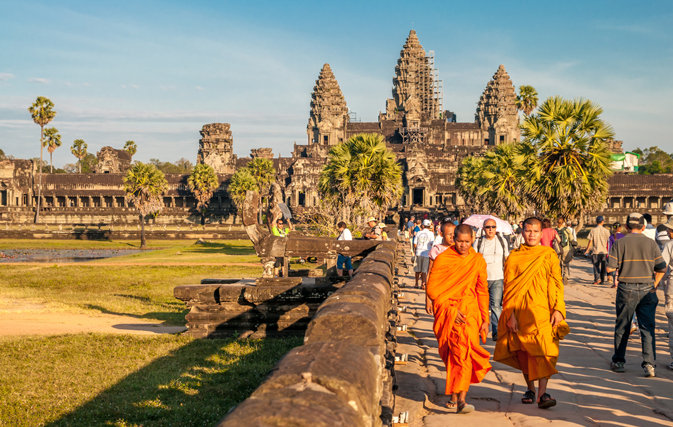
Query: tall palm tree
131 148
239 183
361 175
203 182
570 141
78 149
52 142
469 181
264 173
500 183
144 185
527 99
42 112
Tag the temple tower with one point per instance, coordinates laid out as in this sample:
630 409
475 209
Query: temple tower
496 110
216 148
329 113
414 89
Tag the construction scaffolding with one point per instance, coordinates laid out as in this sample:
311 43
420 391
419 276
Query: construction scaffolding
436 90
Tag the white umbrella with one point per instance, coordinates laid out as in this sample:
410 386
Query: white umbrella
502 226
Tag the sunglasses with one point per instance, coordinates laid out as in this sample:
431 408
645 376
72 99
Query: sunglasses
488 227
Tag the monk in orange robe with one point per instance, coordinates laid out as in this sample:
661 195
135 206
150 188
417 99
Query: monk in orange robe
533 313
459 293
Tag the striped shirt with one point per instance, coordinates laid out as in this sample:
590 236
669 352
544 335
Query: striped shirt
636 257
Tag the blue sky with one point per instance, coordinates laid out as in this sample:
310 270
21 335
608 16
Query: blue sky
155 72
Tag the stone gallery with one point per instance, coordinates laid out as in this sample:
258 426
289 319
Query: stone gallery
428 141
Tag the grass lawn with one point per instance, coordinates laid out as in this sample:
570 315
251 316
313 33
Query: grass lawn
125 380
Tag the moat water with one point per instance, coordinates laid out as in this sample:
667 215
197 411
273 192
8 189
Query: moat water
61 255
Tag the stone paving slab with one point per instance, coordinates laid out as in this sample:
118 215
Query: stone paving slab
587 391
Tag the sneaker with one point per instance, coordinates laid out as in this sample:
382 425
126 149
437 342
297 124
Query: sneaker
649 371
670 366
634 327
617 366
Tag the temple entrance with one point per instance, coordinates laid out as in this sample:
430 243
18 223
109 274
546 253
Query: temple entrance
3 198
417 196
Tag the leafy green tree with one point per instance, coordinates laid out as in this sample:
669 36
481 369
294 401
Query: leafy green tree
527 99
52 142
239 183
361 178
468 181
78 150
2 154
88 163
499 183
144 186
654 160
203 182
182 166
42 112
131 148
264 173
568 174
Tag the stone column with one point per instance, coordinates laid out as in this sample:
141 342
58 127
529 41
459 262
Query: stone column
621 202
172 202
184 202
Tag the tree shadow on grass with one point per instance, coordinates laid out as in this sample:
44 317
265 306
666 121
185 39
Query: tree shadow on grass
196 384
167 317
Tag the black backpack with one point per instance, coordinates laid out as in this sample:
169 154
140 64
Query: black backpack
502 244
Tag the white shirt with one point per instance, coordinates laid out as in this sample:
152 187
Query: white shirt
345 235
424 241
492 251
650 232
438 240
667 254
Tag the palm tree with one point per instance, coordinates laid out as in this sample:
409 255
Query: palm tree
526 100
264 173
500 183
42 112
131 148
241 182
78 149
52 142
144 185
362 176
468 181
569 179
203 182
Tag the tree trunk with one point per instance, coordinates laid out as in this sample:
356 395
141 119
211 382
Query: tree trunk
51 162
39 187
79 165
203 217
143 242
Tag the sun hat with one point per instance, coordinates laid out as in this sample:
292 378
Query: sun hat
426 222
371 218
635 220
382 225
669 223
668 208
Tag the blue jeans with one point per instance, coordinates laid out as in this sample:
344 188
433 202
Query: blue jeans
641 299
598 260
495 290
341 260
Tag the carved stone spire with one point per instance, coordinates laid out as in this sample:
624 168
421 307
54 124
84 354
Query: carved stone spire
413 78
329 112
216 148
496 110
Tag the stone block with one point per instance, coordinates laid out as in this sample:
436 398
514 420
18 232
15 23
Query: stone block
200 293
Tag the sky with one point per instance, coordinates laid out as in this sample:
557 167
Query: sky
156 71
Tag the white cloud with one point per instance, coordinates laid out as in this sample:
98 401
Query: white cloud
86 84
135 86
199 88
123 86
6 76
40 80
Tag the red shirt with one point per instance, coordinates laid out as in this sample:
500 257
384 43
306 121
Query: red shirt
548 235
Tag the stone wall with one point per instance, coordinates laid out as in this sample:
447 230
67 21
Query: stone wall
106 234
343 374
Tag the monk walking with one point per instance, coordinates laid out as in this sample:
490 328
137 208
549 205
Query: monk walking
459 293
533 313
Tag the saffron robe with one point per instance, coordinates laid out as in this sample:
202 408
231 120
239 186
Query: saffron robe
459 283
533 291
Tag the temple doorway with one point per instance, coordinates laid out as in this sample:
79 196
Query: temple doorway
417 196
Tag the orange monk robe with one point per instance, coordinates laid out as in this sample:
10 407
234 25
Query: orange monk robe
533 290
459 283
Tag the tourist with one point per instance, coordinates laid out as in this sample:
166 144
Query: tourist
447 240
422 246
667 283
598 241
344 234
650 231
641 267
550 237
567 248
409 233
439 236
518 240
533 313
375 231
491 245
616 235
384 235
279 230
459 297
662 230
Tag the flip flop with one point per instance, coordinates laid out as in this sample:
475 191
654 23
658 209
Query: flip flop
451 404
546 401
464 408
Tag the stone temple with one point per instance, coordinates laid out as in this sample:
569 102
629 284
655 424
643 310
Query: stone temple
428 141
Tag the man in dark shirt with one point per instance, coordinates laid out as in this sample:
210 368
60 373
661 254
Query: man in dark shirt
641 267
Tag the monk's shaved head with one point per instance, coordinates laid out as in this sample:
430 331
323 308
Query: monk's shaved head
463 229
532 231
532 220
447 232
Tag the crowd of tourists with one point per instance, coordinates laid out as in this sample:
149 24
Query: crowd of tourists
478 278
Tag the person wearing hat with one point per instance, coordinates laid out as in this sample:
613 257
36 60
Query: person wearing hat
617 234
375 232
422 245
662 231
667 282
598 241
640 266
384 235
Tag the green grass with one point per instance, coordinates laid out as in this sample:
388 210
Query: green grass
125 380
111 244
233 251
141 291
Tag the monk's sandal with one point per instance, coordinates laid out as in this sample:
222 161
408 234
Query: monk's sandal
464 408
528 397
546 401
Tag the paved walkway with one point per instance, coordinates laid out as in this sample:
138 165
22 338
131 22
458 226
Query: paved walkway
587 391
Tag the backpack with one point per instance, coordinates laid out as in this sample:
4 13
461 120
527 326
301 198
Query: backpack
502 244
563 232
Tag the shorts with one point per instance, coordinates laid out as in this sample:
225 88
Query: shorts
422 264
341 260
279 262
